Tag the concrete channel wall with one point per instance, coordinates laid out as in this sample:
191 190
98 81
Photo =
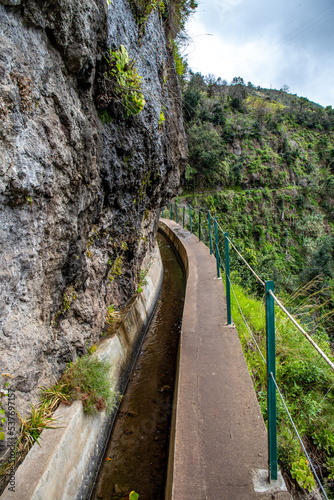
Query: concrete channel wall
218 443
65 465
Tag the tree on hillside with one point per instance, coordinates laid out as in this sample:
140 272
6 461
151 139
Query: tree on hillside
192 95
211 84
285 88
237 80
206 155
237 93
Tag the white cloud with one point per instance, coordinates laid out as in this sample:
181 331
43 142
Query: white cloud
269 44
227 59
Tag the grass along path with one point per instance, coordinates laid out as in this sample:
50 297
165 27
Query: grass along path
306 383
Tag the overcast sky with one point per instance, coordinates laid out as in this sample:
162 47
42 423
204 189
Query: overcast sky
270 43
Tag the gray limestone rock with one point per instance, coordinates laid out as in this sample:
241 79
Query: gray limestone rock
79 197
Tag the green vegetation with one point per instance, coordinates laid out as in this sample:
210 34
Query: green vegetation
3 393
68 297
255 138
116 268
180 63
126 81
142 279
262 162
142 9
86 379
120 84
112 314
104 116
161 118
284 240
173 12
31 426
305 381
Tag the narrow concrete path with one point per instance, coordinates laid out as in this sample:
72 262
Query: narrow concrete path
219 439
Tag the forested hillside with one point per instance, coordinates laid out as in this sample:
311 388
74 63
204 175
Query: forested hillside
263 161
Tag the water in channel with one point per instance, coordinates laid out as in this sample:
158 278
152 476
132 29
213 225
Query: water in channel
137 452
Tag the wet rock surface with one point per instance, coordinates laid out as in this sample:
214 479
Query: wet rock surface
79 197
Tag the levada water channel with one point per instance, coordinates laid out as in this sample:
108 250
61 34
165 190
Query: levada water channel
137 452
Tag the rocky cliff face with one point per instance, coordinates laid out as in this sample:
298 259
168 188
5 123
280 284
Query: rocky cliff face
79 197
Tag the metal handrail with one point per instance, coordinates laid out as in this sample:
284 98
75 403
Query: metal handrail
271 299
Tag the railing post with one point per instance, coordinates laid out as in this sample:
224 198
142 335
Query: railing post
217 251
199 225
190 221
271 388
210 237
184 215
176 216
228 284
170 211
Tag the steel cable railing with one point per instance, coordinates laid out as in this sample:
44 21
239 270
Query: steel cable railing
301 329
244 260
298 436
201 222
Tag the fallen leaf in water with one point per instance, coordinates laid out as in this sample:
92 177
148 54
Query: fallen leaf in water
165 388
128 432
131 413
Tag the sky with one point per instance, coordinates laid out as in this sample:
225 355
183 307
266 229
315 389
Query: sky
267 42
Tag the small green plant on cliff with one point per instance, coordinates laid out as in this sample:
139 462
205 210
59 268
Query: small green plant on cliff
124 246
124 81
112 314
3 394
180 63
161 118
91 349
104 116
142 279
31 426
141 10
68 297
85 379
116 268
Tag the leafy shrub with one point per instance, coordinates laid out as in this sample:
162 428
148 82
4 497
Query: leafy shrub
141 10
121 83
31 426
86 379
321 262
305 382
301 473
311 225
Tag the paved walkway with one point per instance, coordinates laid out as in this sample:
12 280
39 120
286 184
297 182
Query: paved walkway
220 439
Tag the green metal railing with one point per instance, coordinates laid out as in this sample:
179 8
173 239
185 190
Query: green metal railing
199 221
